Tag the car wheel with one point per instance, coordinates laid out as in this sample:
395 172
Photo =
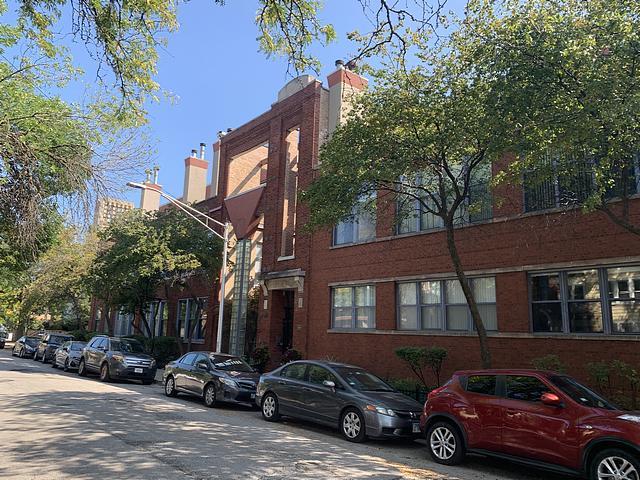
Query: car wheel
35 356
21 354
82 368
270 409
170 387
615 464
44 358
65 368
445 443
53 363
352 425
209 395
104 373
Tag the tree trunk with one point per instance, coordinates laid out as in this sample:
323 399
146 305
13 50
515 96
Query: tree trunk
485 354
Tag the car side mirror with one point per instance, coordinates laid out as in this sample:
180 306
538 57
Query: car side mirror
202 366
330 384
551 399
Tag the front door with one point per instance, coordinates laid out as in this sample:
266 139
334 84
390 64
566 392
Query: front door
287 320
322 403
197 376
483 412
532 429
290 389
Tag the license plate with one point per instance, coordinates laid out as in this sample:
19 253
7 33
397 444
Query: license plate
138 370
416 428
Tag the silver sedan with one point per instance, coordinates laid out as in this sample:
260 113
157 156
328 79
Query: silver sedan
67 356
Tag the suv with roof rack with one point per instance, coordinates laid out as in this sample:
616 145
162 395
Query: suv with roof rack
117 358
542 419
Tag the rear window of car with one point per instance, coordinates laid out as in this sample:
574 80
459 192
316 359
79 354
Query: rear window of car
32 342
484 384
77 345
58 339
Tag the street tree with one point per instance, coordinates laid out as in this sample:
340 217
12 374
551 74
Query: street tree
57 283
143 253
420 141
566 97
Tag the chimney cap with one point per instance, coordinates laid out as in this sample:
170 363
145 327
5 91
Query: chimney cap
194 152
202 144
339 63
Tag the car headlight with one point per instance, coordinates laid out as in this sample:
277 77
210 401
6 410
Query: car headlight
229 382
119 358
153 363
381 410
630 418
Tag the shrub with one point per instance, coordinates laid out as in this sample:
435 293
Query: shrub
164 350
549 362
291 355
260 357
419 358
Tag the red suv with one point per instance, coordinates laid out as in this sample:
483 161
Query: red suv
544 419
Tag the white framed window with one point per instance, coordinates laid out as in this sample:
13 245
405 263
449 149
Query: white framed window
441 305
359 227
354 307
187 312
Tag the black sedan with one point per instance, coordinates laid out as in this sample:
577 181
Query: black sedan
213 377
25 347
360 404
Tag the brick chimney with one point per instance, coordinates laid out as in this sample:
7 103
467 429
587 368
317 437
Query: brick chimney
150 197
344 86
195 177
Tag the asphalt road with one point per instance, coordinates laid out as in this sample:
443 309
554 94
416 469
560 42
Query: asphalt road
58 425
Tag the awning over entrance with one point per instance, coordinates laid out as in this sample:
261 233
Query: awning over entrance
242 208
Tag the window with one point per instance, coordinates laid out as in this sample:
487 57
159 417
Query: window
188 358
123 323
485 384
354 307
318 375
414 215
624 299
441 305
360 226
574 302
529 389
294 371
187 312
157 315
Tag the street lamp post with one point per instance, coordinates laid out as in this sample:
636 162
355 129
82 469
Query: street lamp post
192 212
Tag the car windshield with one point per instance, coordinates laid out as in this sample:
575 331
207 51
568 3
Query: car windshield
32 342
57 339
77 346
126 346
230 364
580 393
362 380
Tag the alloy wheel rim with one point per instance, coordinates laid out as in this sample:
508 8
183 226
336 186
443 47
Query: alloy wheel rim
617 468
103 373
269 407
351 425
210 395
443 443
169 386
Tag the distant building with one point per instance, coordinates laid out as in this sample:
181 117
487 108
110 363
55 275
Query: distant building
108 209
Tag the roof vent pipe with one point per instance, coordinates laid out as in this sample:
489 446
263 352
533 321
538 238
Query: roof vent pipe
156 169
202 147
194 153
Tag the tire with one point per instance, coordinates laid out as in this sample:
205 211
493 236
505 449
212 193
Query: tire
104 373
82 368
352 425
170 387
65 368
35 356
270 408
445 444
612 461
21 354
209 395
44 359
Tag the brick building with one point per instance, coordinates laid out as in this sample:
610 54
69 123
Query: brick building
547 279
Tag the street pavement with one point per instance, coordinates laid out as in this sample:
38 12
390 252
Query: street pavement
58 425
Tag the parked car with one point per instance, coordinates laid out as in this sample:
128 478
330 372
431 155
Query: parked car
67 356
360 404
213 377
48 346
25 347
542 419
3 336
117 358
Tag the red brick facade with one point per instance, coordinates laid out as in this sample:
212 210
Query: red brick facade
509 247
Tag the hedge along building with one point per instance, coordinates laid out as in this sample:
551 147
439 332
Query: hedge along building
548 280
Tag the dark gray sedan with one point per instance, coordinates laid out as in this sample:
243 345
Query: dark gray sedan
360 404
213 377
68 355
